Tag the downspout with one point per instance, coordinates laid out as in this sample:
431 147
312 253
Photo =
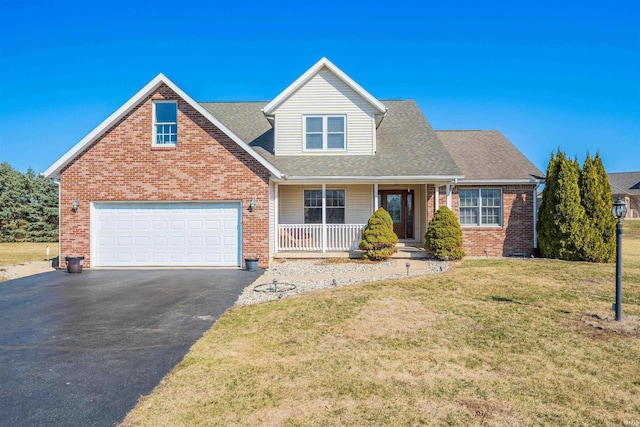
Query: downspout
59 221
450 188
535 216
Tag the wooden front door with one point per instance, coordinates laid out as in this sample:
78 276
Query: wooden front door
399 204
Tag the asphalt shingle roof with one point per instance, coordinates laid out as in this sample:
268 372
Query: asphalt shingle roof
625 183
487 155
406 144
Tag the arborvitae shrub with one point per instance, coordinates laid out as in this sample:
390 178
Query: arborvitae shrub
595 195
444 235
378 239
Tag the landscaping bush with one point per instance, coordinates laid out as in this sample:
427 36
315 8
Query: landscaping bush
574 220
444 235
378 239
595 195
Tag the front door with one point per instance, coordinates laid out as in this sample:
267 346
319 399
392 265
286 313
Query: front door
399 204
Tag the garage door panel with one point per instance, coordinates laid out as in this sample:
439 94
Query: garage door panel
166 234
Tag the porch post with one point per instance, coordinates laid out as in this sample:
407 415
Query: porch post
376 203
275 217
324 218
449 196
437 193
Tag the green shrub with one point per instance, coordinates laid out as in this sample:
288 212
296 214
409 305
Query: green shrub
595 195
378 239
444 235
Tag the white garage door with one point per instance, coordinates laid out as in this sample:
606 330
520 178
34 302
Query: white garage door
165 234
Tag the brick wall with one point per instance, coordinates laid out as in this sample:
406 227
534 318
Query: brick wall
122 165
516 233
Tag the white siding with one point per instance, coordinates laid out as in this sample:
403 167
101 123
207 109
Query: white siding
325 94
359 199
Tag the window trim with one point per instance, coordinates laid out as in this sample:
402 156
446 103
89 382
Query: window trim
325 132
327 207
154 124
480 207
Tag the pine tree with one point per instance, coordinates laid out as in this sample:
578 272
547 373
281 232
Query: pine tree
444 235
378 239
595 196
545 223
562 218
28 206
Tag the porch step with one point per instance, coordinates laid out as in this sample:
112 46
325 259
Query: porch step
405 251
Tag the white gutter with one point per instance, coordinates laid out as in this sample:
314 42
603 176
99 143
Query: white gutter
395 179
499 181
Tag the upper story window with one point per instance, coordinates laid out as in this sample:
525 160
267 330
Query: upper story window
165 122
325 133
480 207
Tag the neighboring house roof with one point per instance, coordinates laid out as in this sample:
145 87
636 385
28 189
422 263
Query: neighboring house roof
488 156
300 81
625 183
54 170
406 145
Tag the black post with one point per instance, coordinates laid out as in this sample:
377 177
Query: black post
619 270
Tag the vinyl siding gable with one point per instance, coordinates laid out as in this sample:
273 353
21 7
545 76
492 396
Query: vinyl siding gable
325 94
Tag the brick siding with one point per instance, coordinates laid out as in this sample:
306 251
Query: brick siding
516 233
122 165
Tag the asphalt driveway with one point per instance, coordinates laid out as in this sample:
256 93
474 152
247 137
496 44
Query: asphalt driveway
80 349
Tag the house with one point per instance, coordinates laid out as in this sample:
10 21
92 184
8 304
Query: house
168 181
626 186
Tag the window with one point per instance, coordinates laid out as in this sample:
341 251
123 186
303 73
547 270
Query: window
313 206
325 132
480 206
165 122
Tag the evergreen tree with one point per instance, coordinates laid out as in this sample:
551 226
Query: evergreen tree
545 223
378 239
562 233
595 195
444 235
28 206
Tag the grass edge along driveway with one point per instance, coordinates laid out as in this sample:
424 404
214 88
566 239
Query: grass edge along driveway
492 342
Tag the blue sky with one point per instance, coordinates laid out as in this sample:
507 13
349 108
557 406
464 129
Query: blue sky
546 74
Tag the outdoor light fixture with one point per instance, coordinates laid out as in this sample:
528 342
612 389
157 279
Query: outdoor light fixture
76 204
619 210
252 205
408 265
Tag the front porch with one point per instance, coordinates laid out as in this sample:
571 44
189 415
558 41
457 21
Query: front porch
327 220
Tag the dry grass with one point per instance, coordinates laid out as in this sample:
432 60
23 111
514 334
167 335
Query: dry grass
492 342
18 253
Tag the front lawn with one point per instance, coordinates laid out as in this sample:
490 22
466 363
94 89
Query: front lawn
491 342
18 253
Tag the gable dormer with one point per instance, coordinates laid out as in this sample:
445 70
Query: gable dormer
324 112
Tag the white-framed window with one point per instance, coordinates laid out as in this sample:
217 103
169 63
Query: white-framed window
480 206
165 123
313 206
325 132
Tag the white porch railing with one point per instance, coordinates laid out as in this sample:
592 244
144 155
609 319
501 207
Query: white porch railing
308 237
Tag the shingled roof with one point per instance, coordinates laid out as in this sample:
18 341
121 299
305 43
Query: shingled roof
484 155
625 183
406 144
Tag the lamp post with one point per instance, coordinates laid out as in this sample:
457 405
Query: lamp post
619 210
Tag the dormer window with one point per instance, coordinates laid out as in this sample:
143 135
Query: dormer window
325 132
165 123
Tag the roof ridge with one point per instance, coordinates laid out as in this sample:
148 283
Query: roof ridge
229 102
466 130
